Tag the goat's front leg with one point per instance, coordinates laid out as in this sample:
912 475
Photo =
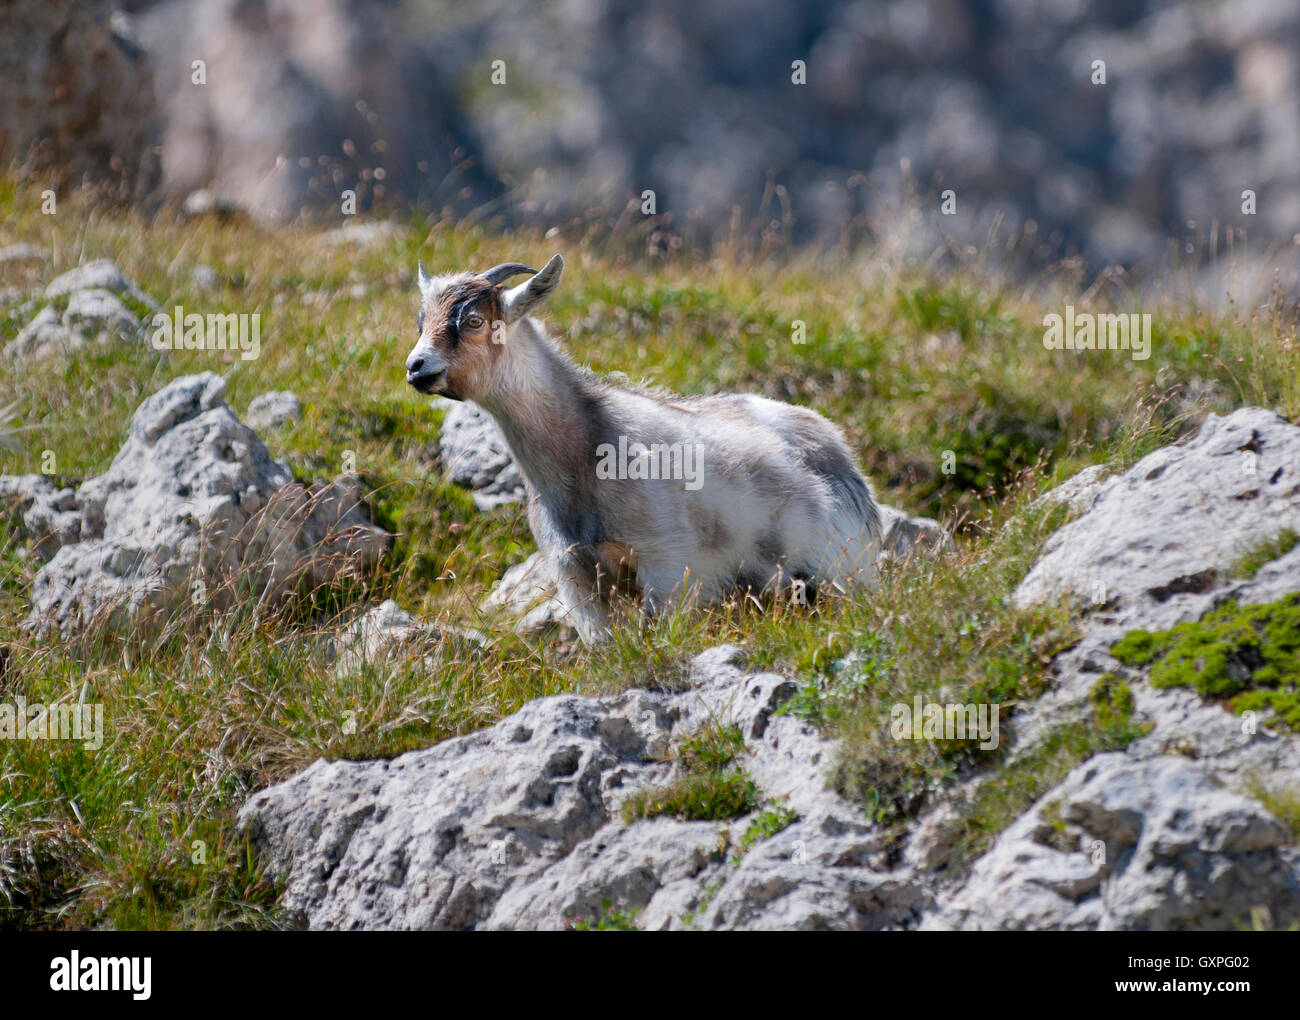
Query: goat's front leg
582 604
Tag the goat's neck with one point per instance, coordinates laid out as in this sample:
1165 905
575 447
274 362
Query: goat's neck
548 414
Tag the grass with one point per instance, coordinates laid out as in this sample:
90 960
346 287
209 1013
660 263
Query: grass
711 786
939 379
1268 551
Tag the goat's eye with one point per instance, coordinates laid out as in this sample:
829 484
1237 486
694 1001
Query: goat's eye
474 321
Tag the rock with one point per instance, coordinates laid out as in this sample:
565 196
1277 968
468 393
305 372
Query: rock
1186 844
901 533
79 101
101 274
344 116
474 454
272 410
1179 518
50 516
99 314
389 632
44 337
23 253
1078 492
95 310
367 234
202 202
518 826
1124 845
191 503
527 591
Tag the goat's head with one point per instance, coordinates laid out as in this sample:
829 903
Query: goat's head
466 323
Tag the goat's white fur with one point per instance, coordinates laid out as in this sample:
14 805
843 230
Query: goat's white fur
781 496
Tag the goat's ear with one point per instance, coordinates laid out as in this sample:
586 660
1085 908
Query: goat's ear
519 301
423 280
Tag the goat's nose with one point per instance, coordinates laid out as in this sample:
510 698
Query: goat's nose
414 365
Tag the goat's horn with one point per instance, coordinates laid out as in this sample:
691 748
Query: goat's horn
503 272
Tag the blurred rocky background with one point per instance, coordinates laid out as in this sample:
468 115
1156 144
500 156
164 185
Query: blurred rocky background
603 99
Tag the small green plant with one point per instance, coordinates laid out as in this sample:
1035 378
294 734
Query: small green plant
1268 551
1245 656
710 788
767 825
834 689
1112 701
608 920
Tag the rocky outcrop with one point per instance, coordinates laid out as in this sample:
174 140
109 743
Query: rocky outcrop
1167 834
191 504
300 100
1178 519
518 826
91 303
999 101
388 633
1152 844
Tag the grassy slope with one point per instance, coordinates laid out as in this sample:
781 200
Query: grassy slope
912 363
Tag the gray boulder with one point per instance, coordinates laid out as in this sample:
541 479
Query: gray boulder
272 410
44 337
191 506
388 633
1157 844
474 454
96 309
1179 518
900 533
99 314
99 274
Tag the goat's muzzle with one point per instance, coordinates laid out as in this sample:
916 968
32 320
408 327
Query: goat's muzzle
426 375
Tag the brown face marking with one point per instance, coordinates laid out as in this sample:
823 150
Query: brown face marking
458 323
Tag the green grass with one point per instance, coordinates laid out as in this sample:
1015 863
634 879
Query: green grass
1268 551
914 365
767 825
711 786
1245 656
609 919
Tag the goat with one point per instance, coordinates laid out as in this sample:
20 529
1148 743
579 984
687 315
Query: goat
765 492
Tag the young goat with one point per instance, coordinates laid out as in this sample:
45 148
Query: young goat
765 493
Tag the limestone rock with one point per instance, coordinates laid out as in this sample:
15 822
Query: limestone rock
192 506
519 826
474 454
1157 844
272 410
1180 517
